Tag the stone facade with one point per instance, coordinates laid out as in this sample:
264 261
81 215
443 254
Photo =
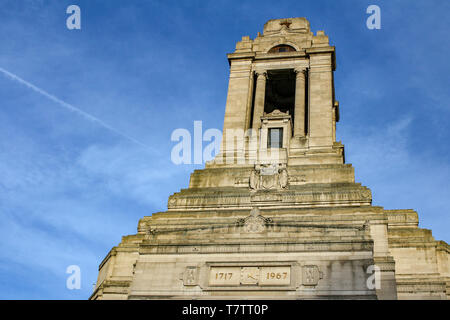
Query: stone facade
277 214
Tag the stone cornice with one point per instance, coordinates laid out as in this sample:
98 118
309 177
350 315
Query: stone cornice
240 56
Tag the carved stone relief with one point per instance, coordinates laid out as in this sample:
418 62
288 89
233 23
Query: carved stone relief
269 177
311 275
190 277
254 223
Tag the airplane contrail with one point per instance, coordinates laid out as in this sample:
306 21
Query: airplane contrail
71 107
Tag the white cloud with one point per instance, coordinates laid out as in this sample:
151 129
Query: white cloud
129 171
401 176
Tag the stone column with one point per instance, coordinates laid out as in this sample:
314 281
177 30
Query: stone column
260 94
300 99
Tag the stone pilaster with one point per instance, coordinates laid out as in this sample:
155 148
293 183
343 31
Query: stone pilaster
320 100
387 287
237 99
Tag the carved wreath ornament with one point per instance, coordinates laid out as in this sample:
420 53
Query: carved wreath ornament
255 222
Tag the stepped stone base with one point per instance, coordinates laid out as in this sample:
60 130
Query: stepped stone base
316 237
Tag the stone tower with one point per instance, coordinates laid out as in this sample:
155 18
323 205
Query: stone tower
277 214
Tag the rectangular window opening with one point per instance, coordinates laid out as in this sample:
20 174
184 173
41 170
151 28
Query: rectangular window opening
275 138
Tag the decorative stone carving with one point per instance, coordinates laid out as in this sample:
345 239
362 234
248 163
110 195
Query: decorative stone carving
254 223
268 181
283 179
190 277
268 169
276 113
261 74
249 275
254 180
311 275
366 194
298 179
268 177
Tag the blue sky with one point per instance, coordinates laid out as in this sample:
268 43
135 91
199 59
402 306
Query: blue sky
70 187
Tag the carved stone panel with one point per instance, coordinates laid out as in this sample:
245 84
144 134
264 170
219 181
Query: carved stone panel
254 223
190 277
268 177
225 276
311 275
250 276
279 276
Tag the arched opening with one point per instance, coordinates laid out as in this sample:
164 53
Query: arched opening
282 48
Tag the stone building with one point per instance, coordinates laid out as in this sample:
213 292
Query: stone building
278 214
